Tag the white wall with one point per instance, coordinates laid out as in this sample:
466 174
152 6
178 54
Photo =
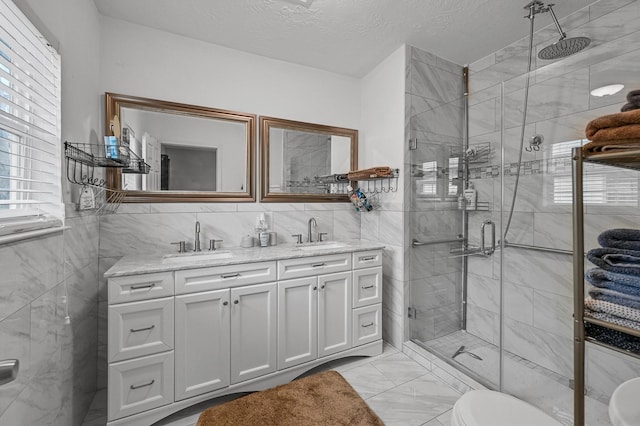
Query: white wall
382 144
382 117
145 62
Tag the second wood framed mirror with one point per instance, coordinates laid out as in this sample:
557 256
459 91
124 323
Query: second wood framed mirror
305 162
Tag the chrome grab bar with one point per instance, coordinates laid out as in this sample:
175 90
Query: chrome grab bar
458 239
488 251
538 248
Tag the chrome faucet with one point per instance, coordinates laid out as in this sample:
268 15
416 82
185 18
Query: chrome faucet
309 234
196 243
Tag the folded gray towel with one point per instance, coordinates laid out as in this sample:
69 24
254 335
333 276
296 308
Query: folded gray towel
612 308
617 260
633 97
629 107
613 337
622 238
612 319
616 297
624 283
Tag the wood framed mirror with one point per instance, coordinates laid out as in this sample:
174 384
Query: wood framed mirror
195 153
305 162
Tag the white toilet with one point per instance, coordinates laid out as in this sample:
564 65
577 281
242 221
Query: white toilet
491 408
624 409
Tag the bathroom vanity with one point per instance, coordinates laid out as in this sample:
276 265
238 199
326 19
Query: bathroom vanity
186 328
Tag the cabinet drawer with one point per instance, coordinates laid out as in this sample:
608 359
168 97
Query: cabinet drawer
140 384
309 266
367 286
140 287
367 324
219 277
367 259
140 328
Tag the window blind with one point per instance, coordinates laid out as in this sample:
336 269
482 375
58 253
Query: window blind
30 145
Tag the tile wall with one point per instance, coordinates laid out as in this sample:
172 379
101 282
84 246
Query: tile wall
57 377
434 117
538 286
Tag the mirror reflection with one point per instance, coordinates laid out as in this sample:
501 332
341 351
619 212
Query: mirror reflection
194 153
305 161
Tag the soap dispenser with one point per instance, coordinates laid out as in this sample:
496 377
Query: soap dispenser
471 197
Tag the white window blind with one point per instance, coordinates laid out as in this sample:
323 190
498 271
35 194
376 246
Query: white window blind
30 147
601 184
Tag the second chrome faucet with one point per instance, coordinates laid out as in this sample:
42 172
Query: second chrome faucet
196 243
309 233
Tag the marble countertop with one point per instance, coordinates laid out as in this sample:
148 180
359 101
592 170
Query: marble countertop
149 263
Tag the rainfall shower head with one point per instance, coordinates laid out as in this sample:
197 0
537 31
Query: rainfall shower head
564 47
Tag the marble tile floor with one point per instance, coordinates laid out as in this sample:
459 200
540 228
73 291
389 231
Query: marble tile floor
522 378
397 388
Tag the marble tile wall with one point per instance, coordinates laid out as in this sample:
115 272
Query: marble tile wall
434 117
538 287
45 279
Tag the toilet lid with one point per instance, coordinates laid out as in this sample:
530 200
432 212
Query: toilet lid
623 406
491 408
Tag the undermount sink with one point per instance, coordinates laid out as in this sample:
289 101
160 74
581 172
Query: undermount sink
323 246
196 256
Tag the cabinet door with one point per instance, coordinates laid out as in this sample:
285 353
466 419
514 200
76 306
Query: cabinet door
202 343
297 321
334 313
253 331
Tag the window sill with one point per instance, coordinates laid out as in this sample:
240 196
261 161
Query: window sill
5 239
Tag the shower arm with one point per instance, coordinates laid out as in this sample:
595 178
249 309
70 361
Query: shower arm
563 35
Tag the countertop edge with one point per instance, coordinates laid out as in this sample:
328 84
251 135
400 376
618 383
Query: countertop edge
148 264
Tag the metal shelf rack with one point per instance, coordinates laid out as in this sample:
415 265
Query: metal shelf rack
82 160
629 159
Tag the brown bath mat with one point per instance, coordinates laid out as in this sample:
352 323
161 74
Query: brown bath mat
321 399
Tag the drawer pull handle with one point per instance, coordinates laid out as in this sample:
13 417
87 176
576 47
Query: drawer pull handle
135 330
134 387
237 274
368 325
225 303
366 287
235 302
367 259
140 287
316 265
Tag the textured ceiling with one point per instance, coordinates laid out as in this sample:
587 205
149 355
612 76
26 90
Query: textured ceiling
343 36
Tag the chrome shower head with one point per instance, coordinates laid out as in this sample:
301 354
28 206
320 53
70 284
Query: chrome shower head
564 47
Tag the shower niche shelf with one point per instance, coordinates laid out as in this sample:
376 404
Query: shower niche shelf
588 329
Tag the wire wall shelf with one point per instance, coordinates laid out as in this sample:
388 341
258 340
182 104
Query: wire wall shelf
83 163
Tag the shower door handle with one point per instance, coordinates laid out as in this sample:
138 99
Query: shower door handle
488 251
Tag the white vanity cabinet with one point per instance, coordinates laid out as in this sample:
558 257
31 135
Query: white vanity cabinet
314 317
180 337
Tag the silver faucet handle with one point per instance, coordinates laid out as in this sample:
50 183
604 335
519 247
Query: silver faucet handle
182 246
321 235
212 244
299 238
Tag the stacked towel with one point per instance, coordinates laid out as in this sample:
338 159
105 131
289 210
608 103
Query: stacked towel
615 293
613 337
620 130
633 101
